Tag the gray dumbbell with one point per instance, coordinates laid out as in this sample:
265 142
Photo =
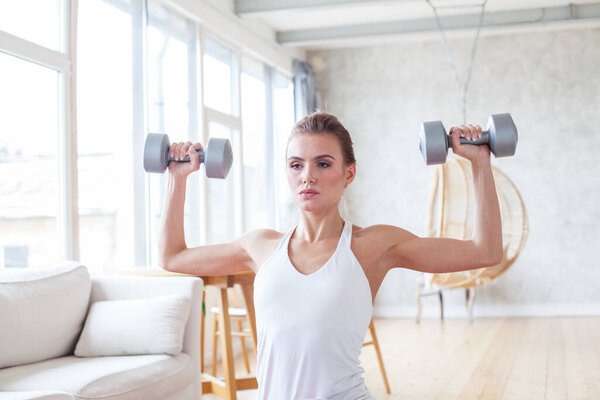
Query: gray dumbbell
500 135
217 158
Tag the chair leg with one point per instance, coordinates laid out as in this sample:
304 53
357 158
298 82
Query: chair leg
419 303
470 301
441 304
243 342
202 334
214 349
379 358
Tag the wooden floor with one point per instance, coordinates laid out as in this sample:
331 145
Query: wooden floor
492 358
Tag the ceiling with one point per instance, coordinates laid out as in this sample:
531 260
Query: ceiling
338 23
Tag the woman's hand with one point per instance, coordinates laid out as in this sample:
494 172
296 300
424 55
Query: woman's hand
178 151
468 151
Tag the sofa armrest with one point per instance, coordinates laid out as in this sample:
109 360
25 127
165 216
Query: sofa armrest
121 287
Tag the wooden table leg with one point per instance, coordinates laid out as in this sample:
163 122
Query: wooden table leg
226 346
248 291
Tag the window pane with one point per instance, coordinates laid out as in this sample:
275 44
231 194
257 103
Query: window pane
219 77
221 206
38 21
170 41
254 145
283 122
28 164
168 84
104 141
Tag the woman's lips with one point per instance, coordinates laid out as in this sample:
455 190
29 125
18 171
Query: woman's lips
307 194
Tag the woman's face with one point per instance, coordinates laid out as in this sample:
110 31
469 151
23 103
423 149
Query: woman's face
315 162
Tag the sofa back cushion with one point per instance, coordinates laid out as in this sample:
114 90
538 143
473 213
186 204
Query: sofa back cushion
42 312
151 325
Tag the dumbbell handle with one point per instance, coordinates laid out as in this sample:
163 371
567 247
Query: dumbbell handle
187 157
484 139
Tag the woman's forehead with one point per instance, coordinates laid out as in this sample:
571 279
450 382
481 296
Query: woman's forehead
307 144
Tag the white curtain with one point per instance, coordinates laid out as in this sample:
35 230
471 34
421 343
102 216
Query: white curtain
307 97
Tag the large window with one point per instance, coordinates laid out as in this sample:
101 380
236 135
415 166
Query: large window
172 109
104 132
36 228
221 77
44 26
283 120
221 82
29 134
73 185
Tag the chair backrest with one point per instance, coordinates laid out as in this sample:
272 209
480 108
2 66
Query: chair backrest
452 215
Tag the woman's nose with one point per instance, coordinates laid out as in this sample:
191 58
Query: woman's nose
307 175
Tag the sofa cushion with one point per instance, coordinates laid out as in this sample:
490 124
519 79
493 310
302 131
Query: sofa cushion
119 377
42 312
135 326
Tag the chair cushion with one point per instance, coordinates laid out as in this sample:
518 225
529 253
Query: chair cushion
42 311
119 377
135 326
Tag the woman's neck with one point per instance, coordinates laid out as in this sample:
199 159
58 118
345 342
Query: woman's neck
314 229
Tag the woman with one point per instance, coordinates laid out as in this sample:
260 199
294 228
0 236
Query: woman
315 284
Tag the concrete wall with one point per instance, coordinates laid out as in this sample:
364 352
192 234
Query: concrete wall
550 83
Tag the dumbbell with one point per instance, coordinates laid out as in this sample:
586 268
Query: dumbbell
500 135
217 158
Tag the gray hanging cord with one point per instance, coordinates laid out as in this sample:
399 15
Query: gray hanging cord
463 91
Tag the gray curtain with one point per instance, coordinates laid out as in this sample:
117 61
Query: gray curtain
307 97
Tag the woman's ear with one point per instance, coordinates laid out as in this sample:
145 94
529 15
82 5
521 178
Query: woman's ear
350 174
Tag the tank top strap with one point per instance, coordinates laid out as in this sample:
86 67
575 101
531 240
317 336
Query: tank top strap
286 238
346 235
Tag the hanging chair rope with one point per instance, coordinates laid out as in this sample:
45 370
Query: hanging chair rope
462 90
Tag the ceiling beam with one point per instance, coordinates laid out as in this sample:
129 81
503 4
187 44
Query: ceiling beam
500 20
257 7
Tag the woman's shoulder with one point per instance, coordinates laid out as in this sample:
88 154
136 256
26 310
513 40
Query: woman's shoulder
379 237
377 231
261 237
260 243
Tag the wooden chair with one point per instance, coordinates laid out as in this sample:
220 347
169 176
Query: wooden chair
452 215
375 343
239 315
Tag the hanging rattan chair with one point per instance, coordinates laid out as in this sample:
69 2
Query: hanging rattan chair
451 215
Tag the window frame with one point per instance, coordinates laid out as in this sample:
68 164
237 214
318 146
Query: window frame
63 62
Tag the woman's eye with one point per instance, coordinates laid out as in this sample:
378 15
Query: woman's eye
325 164
293 166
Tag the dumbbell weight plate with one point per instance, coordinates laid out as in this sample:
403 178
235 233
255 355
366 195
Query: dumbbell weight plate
156 153
505 143
218 158
433 143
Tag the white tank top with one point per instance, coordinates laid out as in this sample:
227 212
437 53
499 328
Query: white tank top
310 328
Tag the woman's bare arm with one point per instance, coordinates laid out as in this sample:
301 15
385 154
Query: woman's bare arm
442 255
208 260
173 253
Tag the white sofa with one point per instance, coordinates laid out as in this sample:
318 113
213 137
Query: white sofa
43 313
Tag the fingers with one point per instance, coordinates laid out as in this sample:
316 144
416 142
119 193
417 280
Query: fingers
470 132
194 156
179 151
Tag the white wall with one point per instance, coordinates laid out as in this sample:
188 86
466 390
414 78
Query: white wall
550 83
